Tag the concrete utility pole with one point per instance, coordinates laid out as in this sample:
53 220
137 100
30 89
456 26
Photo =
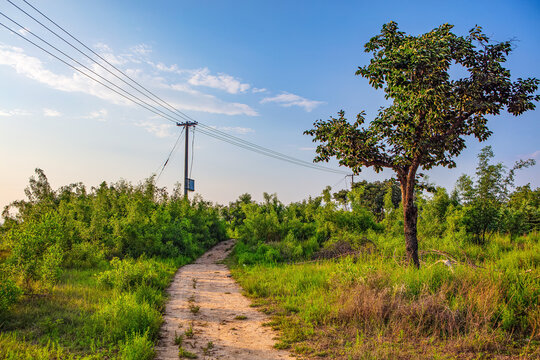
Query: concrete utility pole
186 126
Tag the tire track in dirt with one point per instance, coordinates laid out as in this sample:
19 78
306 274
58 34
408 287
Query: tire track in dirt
207 311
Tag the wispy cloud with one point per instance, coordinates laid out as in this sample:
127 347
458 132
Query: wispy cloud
14 112
34 69
157 129
51 112
202 77
306 149
99 115
235 129
533 155
257 90
287 100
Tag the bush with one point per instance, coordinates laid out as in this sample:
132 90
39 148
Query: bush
137 347
124 317
129 274
9 294
84 255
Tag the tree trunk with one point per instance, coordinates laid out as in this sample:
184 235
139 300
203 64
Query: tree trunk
410 214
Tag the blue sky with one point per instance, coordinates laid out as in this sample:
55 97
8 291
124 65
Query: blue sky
260 70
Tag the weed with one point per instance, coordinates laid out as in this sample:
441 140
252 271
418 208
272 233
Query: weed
240 317
184 354
209 346
194 308
194 283
189 332
178 339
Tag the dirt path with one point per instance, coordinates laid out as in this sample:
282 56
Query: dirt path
206 308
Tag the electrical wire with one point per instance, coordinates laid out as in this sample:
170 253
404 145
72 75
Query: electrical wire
170 154
308 165
218 134
87 56
78 70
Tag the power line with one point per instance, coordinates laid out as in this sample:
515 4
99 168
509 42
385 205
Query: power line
170 154
88 69
79 70
218 134
85 54
300 163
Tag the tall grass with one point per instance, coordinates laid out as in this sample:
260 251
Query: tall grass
373 306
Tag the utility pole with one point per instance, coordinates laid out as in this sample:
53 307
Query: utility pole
186 126
352 180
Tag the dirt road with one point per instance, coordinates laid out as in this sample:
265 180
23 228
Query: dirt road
208 315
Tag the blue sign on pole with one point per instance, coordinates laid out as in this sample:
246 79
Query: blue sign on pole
191 185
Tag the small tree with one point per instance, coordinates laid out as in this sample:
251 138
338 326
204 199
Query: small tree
484 200
430 114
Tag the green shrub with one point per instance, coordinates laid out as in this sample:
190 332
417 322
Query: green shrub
130 274
84 255
123 317
9 294
137 347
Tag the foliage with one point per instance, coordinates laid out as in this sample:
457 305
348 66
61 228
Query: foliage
430 112
484 201
369 306
104 257
9 293
272 232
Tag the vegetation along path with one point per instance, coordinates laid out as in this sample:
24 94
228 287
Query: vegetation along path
207 315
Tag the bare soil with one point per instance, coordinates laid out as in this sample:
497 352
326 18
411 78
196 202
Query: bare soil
206 308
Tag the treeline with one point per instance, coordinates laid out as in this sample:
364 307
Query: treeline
77 227
101 258
476 209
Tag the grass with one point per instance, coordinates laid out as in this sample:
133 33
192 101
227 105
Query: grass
240 317
189 332
83 317
374 307
184 354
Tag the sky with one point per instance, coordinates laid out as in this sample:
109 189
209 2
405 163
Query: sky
263 71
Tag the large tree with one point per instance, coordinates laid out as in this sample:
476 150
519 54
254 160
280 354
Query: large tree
431 110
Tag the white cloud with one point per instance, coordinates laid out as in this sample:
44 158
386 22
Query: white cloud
288 100
306 149
533 155
34 69
235 129
98 115
213 105
191 99
159 130
141 49
202 77
14 112
51 112
257 90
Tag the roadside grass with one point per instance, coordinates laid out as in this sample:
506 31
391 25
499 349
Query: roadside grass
374 307
87 317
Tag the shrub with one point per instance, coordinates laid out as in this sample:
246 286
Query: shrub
9 294
124 317
84 255
130 274
137 347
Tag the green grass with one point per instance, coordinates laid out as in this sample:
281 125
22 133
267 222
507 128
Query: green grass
84 317
375 307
